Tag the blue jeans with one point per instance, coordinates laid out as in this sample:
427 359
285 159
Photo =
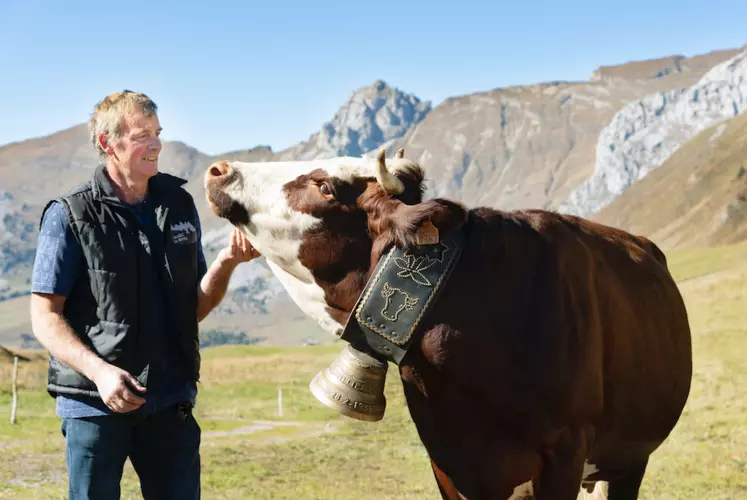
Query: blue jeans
164 448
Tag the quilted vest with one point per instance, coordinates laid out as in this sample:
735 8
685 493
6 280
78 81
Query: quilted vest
104 307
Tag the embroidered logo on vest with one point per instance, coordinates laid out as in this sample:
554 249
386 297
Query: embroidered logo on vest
183 232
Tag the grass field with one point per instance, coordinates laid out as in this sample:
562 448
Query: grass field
248 451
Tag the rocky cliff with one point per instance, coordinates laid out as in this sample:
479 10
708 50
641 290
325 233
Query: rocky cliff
645 132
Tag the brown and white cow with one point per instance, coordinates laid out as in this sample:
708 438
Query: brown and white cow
559 352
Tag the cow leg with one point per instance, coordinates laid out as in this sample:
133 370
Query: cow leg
627 486
563 467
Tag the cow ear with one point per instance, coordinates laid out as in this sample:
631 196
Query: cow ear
408 224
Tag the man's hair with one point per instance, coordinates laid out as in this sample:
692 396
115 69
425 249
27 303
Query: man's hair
108 113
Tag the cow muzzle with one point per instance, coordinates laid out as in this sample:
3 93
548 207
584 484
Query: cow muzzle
353 385
219 175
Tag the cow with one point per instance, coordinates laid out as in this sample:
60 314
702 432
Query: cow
558 356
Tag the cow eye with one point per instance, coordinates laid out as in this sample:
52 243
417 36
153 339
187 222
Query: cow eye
325 189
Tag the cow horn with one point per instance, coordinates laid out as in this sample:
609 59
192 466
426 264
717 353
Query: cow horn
388 180
400 153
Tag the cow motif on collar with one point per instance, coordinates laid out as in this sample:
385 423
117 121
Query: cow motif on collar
388 292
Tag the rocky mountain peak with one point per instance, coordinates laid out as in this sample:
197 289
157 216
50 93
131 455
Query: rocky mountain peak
372 116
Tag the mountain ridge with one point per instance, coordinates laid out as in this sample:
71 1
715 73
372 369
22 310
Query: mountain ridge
514 147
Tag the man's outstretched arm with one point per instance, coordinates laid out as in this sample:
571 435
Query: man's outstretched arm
214 284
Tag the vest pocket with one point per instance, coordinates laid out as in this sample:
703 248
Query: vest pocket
109 340
116 295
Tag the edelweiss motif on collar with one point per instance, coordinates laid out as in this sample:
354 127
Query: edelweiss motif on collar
413 267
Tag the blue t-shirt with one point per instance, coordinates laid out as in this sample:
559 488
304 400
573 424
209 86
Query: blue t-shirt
57 264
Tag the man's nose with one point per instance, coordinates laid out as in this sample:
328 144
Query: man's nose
220 169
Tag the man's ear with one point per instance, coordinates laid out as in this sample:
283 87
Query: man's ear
106 146
409 224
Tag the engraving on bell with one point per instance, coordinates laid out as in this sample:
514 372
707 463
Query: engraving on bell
353 385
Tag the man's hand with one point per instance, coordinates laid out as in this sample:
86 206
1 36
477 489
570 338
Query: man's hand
62 342
115 388
215 282
239 250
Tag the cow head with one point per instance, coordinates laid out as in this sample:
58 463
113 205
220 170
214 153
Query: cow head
322 225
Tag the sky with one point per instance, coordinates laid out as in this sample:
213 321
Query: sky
234 75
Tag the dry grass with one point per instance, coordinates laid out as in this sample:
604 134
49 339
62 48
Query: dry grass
319 454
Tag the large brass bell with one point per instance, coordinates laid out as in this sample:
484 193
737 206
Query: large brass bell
353 385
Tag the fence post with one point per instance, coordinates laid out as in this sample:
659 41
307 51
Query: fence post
280 402
15 391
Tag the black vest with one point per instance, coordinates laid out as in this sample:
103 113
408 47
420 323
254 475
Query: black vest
105 307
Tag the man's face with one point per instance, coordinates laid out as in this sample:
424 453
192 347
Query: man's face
135 154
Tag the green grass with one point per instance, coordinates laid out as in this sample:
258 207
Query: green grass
695 262
317 453
311 452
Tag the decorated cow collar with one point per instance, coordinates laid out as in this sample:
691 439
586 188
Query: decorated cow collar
402 290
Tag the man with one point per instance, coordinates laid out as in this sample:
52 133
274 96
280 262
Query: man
119 285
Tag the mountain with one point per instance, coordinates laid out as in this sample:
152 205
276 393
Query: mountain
371 117
529 146
518 147
646 132
697 197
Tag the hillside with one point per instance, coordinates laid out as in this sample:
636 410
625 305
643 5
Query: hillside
697 197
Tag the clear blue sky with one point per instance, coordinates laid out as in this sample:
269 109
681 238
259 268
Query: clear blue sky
232 75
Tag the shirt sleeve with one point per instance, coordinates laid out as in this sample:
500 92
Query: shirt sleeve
201 262
58 258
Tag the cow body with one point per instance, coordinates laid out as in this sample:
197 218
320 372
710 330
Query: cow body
554 336
558 354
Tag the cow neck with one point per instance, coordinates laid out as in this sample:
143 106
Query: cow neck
387 317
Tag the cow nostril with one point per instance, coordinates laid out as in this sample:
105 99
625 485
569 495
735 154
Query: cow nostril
219 169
